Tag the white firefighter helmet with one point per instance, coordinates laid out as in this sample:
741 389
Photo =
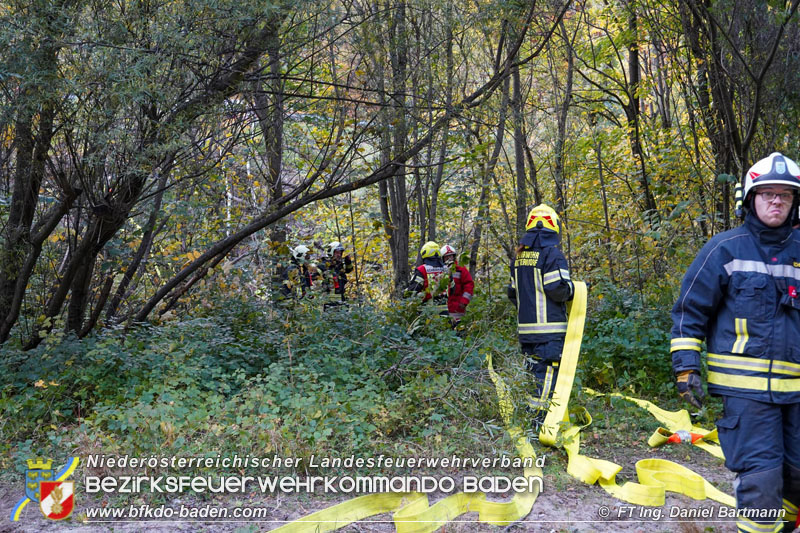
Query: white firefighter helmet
446 251
300 252
335 246
775 169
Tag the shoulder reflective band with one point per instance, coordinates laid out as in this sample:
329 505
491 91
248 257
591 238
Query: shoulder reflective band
760 267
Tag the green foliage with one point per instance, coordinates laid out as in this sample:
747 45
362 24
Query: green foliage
300 381
626 344
242 377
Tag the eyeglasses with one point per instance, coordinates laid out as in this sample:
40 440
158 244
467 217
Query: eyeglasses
768 196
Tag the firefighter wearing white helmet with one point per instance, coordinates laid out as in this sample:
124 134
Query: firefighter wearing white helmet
430 278
740 297
334 269
540 287
461 287
300 275
300 253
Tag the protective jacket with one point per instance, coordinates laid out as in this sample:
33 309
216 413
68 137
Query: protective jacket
540 286
334 275
740 295
297 279
429 278
460 292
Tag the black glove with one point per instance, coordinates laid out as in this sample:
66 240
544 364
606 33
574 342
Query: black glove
690 387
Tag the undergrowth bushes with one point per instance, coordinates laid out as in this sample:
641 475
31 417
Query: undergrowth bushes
243 378
246 378
626 344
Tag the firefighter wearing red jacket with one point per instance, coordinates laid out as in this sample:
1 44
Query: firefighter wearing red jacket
461 287
430 278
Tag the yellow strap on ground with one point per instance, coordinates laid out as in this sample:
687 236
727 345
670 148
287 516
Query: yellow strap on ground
675 421
351 511
557 413
413 514
656 476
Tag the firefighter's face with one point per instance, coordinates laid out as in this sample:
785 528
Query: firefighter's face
773 211
449 259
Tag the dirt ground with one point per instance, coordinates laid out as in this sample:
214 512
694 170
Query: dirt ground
565 505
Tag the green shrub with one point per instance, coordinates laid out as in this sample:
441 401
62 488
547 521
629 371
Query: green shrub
626 344
246 377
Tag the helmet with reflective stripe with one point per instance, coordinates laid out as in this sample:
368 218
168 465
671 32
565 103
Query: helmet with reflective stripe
448 254
776 169
429 249
543 216
300 252
335 246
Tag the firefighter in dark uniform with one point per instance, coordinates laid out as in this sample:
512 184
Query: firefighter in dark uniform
540 286
334 270
298 277
740 295
430 278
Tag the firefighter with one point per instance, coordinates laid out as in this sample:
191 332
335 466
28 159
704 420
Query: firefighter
540 286
430 278
740 296
299 277
334 269
461 288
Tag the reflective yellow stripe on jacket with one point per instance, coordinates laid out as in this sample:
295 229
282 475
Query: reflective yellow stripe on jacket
542 325
685 343
750 373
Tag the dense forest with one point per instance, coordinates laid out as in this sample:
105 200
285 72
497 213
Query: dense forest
149 147
160 159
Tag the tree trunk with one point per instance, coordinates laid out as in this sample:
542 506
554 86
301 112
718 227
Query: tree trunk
632 114
270 119
519 154
142 251
598 146
486 179
398 196
437 180
561 126
32 148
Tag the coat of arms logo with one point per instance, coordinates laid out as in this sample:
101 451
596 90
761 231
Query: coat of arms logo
57 499
38 470
56 495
